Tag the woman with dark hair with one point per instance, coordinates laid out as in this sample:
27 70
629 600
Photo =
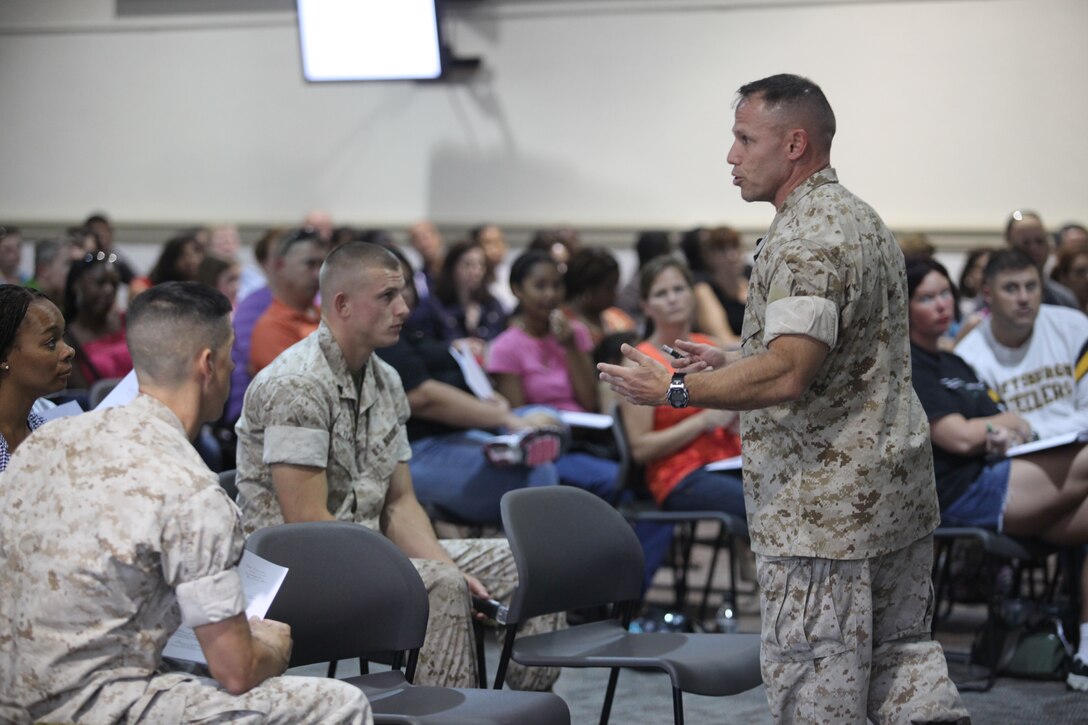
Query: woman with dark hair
591 280
721 290
179 260
96 328
1042 494
676 444
34 361
460 308
221 275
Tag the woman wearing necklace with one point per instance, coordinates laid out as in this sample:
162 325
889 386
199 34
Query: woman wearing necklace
34 361
675 444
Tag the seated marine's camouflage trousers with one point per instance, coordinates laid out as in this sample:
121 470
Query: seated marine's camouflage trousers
843 640
448 656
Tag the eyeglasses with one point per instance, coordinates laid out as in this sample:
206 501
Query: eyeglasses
93 257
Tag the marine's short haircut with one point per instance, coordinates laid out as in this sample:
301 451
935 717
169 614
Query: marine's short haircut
171 323
15 300
348 259
800 97
1007 260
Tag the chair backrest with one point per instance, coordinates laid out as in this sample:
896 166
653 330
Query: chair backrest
633 474
572 550
349 591
228 480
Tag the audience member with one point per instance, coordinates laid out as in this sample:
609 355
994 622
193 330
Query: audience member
222 275
255 275
544 359
52 259
11 256
431 248
1043 494
970 287
915 245
96 328
1071 270
721 290
452 431
322 437
648 245
460 309
1071 233
558 242
102 228
133 536
179 260
590 283
1024 231
493 241
1033 355
249 309
292 314
320 221
34 361
224 242
676 443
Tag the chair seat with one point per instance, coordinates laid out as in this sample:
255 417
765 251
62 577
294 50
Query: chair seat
997 544
705 664
395 700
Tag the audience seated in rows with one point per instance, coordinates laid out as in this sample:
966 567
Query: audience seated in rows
173 544
1043 494
322 437
34 361
1035 356
292 314
451 428
95 325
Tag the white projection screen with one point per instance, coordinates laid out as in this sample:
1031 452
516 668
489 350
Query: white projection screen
369 40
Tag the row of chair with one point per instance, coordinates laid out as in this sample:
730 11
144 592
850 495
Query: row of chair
572 551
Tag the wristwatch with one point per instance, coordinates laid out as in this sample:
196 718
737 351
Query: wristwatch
678 392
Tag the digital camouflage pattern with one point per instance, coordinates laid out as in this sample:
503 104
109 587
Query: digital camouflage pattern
846 471
831 625
303 409
113 532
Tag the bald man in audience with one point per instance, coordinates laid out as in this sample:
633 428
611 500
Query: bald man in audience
113 532
322 437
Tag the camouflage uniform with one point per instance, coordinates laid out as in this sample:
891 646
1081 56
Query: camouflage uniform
839 483
112 532
304 410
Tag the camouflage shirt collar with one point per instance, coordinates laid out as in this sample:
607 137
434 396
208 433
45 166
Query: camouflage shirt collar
338 366
154 407
825 175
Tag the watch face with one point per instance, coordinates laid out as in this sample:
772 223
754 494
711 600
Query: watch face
678 397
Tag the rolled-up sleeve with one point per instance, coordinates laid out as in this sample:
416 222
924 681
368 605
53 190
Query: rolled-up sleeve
296 446
201 545
815 317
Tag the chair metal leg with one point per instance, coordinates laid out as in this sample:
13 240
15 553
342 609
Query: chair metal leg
481 660
719 542
504 658
332 668
609 693
677 706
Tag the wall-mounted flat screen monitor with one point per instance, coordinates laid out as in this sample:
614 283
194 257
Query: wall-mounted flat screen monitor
369 40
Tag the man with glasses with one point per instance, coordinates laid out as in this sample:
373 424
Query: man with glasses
292 314
1024 231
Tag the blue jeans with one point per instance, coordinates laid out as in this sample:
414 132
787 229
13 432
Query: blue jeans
451 473
703 490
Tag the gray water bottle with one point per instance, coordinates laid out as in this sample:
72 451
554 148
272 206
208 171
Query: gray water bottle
726 619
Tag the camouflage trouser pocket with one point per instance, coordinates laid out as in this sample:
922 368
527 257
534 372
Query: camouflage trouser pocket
806 613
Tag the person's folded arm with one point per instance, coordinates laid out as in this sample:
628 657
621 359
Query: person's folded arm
239 660
440 402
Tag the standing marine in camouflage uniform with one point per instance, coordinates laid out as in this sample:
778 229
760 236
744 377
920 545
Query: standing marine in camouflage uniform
838 471
113 531
322 438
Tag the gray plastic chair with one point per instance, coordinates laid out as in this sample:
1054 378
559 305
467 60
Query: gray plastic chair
574 551
351 592
227 479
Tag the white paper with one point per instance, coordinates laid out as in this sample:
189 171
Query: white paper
726 464
576 419
66 410
122 394
1045 443
475 377
261 579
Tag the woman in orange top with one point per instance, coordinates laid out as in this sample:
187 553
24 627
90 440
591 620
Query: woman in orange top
676 443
